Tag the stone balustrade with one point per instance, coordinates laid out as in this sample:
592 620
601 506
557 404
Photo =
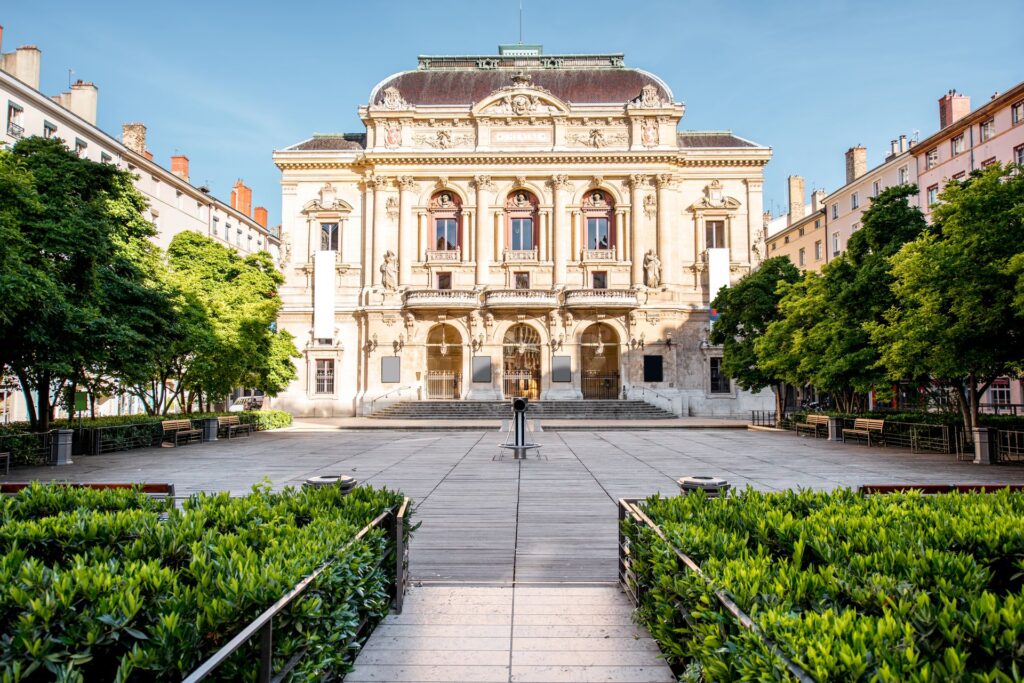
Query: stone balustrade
521 298
601 298
441 298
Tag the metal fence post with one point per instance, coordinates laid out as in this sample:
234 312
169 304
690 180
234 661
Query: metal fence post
267 652
399 559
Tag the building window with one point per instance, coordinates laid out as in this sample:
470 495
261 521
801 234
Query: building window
817 223
987 130
328 237
817 250
855 200
106 158
903 176
960 175
216 226
719 382
599 279
801 231
775 245
597 212
324 376
14 120
931 160
999 392
522 280
521 207
49 129
446 215
522 234
956 145
654 370
855 227
988 162
714 234
876 188
836 244
835 210
933 194
80 146
444 280
801 256
1018 112
785 240
1018 155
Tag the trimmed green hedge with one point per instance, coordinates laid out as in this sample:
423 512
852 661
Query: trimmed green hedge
900 587
98 586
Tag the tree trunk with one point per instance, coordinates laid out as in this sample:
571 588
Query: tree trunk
973 398
30 403
780 402
44 402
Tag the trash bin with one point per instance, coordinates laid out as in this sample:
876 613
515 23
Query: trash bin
712 486
211 426
344 482
61 446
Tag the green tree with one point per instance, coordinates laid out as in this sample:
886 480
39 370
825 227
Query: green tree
21 282
954 320
744 312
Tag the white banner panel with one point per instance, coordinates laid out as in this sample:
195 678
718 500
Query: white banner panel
323 294
718 272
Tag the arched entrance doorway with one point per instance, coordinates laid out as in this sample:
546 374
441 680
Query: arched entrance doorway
599 349
521 362
444 363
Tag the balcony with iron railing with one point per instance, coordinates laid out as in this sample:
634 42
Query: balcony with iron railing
14 130
441 298
521 298
601 298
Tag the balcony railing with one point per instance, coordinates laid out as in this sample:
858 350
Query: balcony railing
520 254
521 298
598 255
442 254
602 298
441 298
14 130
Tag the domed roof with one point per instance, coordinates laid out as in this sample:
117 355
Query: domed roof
578 79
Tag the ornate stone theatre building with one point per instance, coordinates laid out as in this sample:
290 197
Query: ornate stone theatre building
515 224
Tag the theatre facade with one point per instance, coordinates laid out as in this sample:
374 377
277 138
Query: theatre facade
516 224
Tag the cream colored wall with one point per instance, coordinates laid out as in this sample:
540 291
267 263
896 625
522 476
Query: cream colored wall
789 242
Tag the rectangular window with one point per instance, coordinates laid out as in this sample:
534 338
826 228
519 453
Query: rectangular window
49 129
599 280
328 237
775 245
719 382
14 121
817 250
835 211
903 175
988 162
931 160
960 175
106 158
216 226
522 234
444 280
785 240
999 392
801 231
446 234
855 200
802 257
817 223
80 146
933 194
1018 112
715 234
597 233
1018 155
654 369
325 376
987 129
956 145
836 244
522 280
876 188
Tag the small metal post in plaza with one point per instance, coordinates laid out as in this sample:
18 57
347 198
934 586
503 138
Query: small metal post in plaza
342 481
713 487
516 440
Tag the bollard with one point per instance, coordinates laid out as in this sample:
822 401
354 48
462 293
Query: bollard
519 446
211 426
712 486
342 481
61 447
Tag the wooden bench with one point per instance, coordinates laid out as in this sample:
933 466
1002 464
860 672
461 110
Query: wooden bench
180 430
163 492
231 426
813 423
866 427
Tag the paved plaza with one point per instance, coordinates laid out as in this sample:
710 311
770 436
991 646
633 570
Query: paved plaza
514 566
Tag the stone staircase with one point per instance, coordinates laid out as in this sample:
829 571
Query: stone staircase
551 410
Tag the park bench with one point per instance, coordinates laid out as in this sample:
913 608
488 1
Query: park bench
866 427
163 492
231 426
6 459
180 430
816 424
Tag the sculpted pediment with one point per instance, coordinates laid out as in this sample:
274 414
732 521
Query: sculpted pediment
714 198
521 98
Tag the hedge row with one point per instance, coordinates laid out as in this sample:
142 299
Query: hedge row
1013 422
900 587
100 586
265 419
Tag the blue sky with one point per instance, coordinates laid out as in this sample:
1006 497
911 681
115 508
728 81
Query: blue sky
227 83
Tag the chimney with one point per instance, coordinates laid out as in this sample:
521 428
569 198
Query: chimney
952 107
23 64
856 162
1 38
817 200
903 144
179 166
796 198
133 136
82 100
241 198
260 214
893 149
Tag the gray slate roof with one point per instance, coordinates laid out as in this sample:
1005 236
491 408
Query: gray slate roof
331 143
698 139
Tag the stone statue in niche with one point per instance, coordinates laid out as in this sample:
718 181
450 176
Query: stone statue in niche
520 200
652 269
649 134
393 135
389 271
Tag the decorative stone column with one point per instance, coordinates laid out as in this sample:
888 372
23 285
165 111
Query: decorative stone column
406 229
424 241
369 191
576 228
637 182
620 236
465 247
499 235
379 184
544 236
484 233
668 249
560 238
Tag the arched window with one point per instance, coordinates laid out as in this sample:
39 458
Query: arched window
521 207
597 217
446 221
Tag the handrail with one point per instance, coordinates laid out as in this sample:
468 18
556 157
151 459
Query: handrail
264 623
373 402
654 391
629 507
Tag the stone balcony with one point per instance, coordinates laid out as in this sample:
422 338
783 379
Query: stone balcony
601 298
598 255
520 255
448 255
521 298
441 298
